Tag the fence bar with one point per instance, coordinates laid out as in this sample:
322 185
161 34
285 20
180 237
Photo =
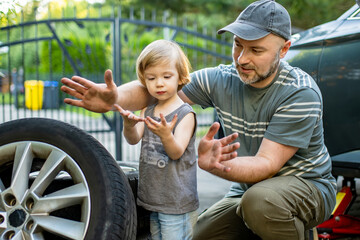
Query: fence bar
108 32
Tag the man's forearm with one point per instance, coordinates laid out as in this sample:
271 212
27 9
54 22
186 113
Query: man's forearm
246 169
133 96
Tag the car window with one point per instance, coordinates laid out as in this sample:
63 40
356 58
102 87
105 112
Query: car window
356 15
350 28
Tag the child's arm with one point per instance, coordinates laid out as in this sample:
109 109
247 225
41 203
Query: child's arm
133 128
174 144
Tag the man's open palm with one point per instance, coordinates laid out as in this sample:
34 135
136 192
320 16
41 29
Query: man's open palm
96 97
212 152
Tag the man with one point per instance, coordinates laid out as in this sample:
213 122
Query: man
282 172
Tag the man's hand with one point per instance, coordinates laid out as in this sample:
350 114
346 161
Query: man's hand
130 119
92 96
212 152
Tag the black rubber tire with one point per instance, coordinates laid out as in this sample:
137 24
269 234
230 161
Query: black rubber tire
113 208
143 215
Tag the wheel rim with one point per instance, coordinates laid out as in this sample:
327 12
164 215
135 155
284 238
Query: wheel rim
46 184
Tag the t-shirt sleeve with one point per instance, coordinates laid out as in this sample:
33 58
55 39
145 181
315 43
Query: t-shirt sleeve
199 90
295 119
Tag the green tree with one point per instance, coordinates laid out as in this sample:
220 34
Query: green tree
7 11
304 13
309 13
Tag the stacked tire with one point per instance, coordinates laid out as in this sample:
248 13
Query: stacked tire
58 182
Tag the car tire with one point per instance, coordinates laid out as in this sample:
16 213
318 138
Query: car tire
131 169
58 182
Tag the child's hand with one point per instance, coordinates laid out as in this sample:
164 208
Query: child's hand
163 129
130 119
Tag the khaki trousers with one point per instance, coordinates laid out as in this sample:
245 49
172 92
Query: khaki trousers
279 208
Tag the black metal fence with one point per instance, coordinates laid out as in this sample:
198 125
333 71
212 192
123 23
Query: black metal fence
37 52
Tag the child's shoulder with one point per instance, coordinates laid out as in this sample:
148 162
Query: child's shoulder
187 107
184 108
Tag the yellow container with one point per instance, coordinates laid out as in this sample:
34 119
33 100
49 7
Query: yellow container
34 91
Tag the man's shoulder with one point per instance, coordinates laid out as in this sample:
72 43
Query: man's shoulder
221 70
295 77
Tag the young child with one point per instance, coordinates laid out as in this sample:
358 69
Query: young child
167 171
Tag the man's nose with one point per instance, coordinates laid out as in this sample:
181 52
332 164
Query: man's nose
243 57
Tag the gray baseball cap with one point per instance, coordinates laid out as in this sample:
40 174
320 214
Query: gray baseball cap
260 19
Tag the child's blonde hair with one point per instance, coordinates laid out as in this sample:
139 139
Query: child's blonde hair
162 51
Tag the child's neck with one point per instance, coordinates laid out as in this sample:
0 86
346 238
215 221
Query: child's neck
167 106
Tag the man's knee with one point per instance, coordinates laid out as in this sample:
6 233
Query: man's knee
266 213
258 204
220 221
274 208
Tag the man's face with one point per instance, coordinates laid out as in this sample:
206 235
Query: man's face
257 61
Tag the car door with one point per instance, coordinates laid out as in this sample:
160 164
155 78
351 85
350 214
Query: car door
339 81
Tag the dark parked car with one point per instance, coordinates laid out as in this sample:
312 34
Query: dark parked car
330 53
58 182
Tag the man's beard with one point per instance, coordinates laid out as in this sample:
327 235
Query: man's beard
258 77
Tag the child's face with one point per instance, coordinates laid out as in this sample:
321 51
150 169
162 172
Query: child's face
162 80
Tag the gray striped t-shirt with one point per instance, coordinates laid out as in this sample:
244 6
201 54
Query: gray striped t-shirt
287 111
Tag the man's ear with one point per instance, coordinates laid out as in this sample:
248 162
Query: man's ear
285 48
